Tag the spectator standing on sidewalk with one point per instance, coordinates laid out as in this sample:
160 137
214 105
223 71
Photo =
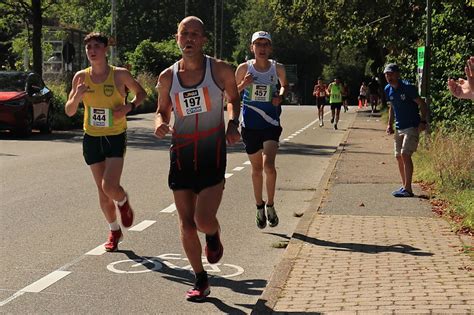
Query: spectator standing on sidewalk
464 88
405 108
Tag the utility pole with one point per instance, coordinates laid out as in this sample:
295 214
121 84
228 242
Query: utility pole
113 48
427 65
215 28
222 28
186 8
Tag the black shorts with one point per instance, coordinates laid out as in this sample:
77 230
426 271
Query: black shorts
336 106
254 138
320 101
97 149
195 180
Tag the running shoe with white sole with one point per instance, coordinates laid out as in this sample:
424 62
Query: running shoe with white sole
272 216
114 239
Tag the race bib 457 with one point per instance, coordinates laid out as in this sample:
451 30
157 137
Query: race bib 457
192 102
260 93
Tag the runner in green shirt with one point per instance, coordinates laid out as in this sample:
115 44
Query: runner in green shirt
335 100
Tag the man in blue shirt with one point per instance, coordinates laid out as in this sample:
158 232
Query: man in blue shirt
405 108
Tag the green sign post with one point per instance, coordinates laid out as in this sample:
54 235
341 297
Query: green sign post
421 64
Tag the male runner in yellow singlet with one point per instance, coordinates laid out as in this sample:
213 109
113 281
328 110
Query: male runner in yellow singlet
101 88
194 89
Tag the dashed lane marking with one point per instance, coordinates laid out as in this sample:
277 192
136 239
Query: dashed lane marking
142 225
169 209
238 168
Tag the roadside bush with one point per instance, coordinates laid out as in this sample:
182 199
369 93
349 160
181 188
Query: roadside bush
61 121
447 161
148 82
153 57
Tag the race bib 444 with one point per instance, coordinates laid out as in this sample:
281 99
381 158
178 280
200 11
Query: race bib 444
192 102
100 117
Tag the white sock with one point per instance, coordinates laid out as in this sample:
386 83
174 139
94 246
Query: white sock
121 203
114 226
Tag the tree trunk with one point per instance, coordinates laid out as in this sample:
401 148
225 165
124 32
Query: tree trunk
37 24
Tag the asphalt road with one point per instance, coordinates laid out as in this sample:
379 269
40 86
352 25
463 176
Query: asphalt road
52 229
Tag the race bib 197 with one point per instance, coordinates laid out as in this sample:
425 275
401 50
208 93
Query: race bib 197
192 102
260 93
100 117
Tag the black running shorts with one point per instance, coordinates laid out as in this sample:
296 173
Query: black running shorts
254 138
97 149
194 180
320 101
336 106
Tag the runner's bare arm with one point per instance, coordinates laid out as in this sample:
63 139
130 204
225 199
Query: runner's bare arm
390 120
126 81
242 77
163 111
76 94
233 100
278 98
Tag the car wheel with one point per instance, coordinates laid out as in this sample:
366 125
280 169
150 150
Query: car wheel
48 126
28 128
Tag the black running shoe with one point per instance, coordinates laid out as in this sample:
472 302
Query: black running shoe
201 288
260 217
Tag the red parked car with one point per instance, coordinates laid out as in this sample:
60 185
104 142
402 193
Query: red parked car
25 103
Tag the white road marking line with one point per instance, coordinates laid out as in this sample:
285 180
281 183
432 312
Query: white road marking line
99 250
238 168
286 139
11 298
169 209
290 137
46 281
247 163
227 175
142 225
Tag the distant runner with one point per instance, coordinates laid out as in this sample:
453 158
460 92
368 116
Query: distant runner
319 92
335 99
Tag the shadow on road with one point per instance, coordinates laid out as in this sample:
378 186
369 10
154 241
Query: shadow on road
363 248
183 276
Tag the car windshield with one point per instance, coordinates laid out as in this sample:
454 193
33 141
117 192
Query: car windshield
12 81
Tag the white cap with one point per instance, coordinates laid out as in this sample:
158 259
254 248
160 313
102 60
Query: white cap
261 34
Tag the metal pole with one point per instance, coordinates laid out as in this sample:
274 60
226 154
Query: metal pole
215 28
427 65
222 28
185 8
113 33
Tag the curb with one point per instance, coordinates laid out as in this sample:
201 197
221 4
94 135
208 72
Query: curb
267 301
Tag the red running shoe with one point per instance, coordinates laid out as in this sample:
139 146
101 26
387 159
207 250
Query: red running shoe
201 288
214 249
126 214
114 238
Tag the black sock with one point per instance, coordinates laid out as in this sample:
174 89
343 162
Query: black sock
269 205
260 207
211 241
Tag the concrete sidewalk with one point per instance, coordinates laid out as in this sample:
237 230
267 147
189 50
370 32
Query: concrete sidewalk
360 250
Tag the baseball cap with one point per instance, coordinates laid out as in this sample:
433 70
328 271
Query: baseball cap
391 67
261 34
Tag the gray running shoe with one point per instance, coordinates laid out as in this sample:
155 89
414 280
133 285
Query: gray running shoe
261 219
272 216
